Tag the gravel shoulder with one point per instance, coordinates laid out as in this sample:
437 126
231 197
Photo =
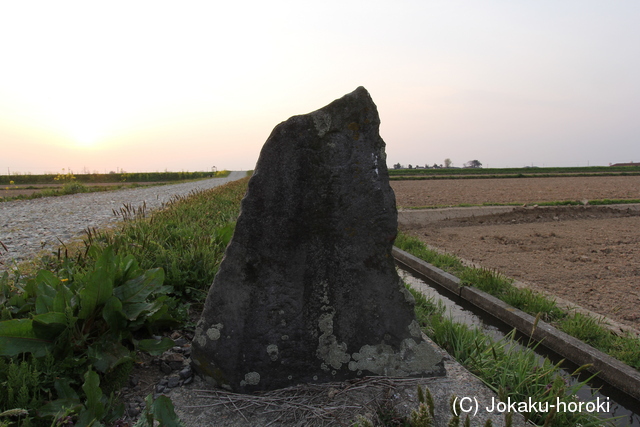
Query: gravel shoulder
28 227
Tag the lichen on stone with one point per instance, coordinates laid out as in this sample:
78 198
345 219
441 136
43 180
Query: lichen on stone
329 350
414 329
272 351
252 378
213 333
381 359
322 122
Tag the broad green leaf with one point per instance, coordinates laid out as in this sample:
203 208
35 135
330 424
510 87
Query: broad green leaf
114 316
44 300
60 406
108 354
134 310
50 324
92 390
164 412
141 287
18 336
160 411
162 318
155 347
98 284
51 317
48 278
63 298
129 268
64 389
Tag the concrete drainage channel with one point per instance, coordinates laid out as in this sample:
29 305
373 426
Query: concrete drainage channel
618 375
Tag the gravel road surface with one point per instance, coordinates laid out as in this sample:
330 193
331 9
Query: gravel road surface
30 226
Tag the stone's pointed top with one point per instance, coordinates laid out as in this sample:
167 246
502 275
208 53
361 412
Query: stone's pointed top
351 100
360 92
308 291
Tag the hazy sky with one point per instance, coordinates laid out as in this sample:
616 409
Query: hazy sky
187 85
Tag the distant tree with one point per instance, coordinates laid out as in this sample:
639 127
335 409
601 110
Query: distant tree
397 166
447 163
410 167
473 164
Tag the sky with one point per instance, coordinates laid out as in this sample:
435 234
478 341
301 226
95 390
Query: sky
99 86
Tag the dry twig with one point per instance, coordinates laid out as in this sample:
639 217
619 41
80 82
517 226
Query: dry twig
327 404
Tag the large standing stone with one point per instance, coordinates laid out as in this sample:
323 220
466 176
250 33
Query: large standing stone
308 289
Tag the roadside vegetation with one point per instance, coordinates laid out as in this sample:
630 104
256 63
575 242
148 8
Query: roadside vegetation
67 183
625 348
475 173
19 179
71 322
510 370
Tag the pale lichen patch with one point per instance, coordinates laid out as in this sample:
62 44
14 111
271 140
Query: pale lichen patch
199 336
330 350
414 329
201 340
213 333
322 122
252 378
272 351
411 359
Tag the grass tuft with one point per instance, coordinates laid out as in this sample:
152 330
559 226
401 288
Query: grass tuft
512 371
625 348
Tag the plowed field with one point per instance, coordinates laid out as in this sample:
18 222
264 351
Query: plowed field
588 255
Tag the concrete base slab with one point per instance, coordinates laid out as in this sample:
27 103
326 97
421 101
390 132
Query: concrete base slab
340 403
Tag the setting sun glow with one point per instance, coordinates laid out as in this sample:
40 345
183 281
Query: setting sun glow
155 85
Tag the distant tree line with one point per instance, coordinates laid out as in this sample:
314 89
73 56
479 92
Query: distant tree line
109 177
447 164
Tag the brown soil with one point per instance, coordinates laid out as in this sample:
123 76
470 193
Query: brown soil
587 255
22 190
447 192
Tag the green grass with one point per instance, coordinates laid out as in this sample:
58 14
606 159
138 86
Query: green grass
70 320
592 331
187 238
508 369
94 178
72 184
625 348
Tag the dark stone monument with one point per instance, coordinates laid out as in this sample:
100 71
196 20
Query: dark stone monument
308 291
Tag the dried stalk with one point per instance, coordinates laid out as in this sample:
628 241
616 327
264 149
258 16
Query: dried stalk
327 404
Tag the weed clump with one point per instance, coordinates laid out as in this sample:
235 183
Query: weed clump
70 330
625 348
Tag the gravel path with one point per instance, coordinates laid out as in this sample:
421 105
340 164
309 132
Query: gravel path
29 226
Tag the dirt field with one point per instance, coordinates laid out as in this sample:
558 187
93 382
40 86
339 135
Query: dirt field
445 192
22 190
588 255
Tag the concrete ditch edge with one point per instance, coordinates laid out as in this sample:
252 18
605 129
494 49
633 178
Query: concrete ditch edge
610 370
